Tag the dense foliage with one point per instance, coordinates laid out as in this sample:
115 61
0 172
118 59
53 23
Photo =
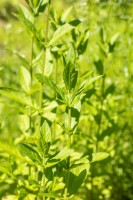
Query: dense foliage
66 100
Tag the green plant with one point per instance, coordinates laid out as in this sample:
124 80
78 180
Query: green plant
65 100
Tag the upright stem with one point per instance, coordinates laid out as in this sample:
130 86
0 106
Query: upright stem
31 75
68 143
101 109
44 65
41 90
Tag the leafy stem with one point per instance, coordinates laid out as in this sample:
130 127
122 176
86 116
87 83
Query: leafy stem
31 74
43 66
101 109
41 90
68 142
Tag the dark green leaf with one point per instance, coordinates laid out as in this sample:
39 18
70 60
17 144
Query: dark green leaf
62 155
28 151
99 66
75 22
109 90
76 181
70 75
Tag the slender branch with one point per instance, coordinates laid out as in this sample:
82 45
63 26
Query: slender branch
101 110
31 75
41 90
43 66
68 143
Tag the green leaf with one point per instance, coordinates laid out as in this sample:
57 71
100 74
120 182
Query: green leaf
45 137
23 10
75 114
62 155
70 75
16 96
76 181
35 3
70 56
46 132
99 156
114 38
86 83
24 18
65 14
78 173
42 5
44 79
62 30
49 63
99 66
25 79
110 89
28 151
83 42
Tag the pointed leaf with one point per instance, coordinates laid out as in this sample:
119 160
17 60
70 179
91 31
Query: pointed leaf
99 66
63 154
62 30
49 63
65 14
45 137
76 182
46 132
25 79
28 151
75 114
99 156
26 20
70 75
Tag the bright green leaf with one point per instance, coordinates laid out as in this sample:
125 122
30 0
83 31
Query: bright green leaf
62 30
49 63
62 155
99 156
25 79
